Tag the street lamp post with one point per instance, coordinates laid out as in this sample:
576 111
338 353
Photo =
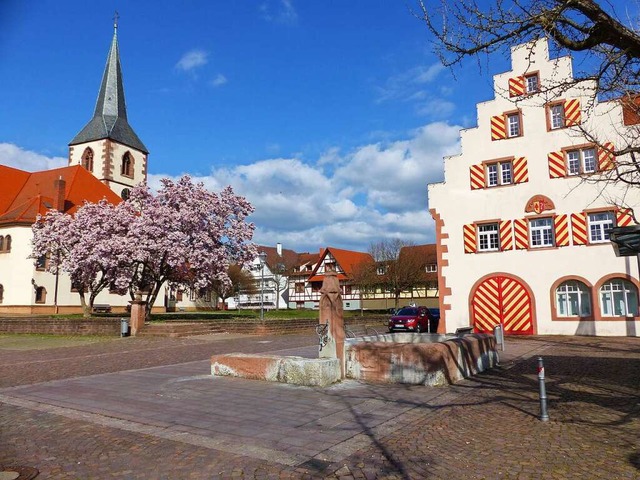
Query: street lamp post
263 258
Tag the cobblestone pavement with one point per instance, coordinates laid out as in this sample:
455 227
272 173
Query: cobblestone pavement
145 408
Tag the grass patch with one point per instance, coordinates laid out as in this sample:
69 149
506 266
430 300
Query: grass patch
36 341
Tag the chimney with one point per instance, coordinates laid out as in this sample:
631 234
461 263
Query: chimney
279 249
59 187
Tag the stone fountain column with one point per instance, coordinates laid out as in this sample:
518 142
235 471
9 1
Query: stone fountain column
331 312
138 312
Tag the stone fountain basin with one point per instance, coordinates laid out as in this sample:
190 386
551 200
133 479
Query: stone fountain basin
408 358
419 359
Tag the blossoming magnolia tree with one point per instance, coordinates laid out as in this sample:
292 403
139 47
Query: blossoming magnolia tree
183 235
83 246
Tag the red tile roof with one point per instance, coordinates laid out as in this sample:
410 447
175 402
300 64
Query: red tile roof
24 195
345 259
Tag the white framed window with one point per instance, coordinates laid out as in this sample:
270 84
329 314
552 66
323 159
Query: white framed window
488 237
513 125
618 298
600 225
541 232
532 83
381 270
581 161
431 268
573 299
499 173
556 116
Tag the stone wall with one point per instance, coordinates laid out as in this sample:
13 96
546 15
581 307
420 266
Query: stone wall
61 326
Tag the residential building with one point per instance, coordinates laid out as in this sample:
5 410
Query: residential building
271 279
306 294
417 266
522 225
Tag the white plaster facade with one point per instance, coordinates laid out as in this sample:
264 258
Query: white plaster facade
514 282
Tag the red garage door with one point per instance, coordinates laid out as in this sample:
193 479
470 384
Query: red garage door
502 300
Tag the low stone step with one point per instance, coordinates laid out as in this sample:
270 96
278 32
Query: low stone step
175 329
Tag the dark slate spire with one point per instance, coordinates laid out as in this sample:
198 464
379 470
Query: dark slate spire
110 116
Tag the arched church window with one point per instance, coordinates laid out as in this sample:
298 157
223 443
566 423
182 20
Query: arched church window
41 295
87 159
7 243
127 165
1 293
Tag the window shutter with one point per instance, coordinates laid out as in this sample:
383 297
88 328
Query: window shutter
572 113
521 231
561 224
579 228
606 160
557 168
470 243
624 217
498 127
476 173
516 86
520 170
506 237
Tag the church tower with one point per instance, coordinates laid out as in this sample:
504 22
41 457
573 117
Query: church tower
107 146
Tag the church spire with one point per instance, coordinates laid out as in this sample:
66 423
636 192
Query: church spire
110 115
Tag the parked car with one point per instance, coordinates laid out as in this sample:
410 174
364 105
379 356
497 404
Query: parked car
414 319
435 312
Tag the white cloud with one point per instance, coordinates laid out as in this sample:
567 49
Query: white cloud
408 85
280 11
192 60
219 80
417 86
375 191
15 156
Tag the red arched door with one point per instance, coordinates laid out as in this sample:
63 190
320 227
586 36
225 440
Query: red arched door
503 300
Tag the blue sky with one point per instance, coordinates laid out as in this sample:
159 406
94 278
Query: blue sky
331 117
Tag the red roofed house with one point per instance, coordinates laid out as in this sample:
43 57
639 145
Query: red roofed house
24 285
306 294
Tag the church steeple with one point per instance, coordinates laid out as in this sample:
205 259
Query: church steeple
110 116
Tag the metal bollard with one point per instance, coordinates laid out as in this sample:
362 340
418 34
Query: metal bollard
499 334
544 416
124 327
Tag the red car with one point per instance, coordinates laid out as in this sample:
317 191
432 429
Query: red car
414 319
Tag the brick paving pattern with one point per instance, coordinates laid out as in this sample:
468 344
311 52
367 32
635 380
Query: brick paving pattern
146 408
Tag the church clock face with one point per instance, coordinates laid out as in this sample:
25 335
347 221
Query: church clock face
125 193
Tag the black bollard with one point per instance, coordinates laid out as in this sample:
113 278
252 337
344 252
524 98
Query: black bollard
544 416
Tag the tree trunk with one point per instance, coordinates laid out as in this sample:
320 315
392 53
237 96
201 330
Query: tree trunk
86 311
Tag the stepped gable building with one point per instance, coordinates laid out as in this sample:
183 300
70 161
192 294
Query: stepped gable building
526 242
107 146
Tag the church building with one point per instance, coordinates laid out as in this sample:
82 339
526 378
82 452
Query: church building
106 160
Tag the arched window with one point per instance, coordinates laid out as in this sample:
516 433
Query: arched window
573 299
1 243
618 298
7 243
87 159
41 295
127 165
1 293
